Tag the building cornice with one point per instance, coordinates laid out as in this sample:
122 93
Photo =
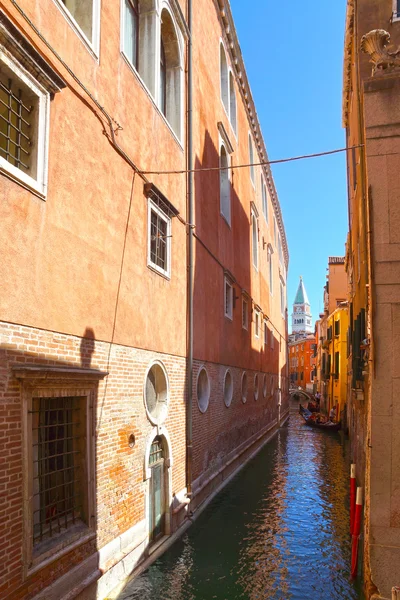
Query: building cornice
239 70
348 44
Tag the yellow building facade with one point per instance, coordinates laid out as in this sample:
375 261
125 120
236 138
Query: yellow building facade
336 358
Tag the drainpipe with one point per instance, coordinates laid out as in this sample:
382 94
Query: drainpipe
189 407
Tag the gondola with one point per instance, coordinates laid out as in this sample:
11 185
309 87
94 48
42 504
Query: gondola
306 414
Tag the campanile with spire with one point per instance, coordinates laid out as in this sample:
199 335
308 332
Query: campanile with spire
301 315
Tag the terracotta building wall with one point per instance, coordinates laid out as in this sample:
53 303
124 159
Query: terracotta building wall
224 249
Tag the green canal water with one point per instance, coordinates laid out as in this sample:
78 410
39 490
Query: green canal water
279 530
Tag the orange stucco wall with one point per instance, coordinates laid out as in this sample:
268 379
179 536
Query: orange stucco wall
63 257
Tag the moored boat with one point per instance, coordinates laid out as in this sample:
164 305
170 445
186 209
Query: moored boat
312 420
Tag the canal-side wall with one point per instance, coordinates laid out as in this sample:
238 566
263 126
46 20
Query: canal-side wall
232 426
41 363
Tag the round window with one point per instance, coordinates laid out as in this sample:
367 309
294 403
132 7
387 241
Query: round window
156 393
256 386
244 387
265 386
203 390
228 388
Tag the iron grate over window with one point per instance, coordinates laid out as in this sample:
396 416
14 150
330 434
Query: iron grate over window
158 242
16 120
57 465
156 451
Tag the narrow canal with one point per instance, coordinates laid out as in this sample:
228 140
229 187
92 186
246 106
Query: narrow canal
279 530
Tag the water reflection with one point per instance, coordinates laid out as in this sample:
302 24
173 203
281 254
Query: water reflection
279 531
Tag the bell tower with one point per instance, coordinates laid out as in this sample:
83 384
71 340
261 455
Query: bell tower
301 315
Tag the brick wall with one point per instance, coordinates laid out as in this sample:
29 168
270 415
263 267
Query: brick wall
221 429
120 411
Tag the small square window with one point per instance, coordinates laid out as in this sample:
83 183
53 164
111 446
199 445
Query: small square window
159 244
245 314
23 125
228 300
257 324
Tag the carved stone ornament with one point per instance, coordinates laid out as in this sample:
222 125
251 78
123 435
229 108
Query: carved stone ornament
374 43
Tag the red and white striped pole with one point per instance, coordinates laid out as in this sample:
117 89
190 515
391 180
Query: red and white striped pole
353 489
356 533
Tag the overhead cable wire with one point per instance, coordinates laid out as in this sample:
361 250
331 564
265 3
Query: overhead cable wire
258 164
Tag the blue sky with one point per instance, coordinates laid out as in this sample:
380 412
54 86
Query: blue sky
294 57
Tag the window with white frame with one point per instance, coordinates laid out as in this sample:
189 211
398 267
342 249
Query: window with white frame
245 313
170 100
280 249
24 122
159 240
396 9
270 269
256 323
265 333
130 39
152 44
251 160
264 198
232 103
223 66
283 303
275 232
84 16
228 299
254 239
224 185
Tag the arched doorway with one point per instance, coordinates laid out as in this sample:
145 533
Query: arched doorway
157 489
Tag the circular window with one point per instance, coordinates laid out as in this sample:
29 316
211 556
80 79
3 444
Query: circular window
244 387
256 386
203 390
228 388
265 386
156 393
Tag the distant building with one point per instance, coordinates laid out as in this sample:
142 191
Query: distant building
302 358
301 315
330 349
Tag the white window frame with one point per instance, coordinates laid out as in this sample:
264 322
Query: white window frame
227 182
228 300
270 269
283 297
94 44
254 246
123 40
264 196
245 313
224 85
149 76
251 161
256 323
232 93
165 272
396 11
227 88
39 183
